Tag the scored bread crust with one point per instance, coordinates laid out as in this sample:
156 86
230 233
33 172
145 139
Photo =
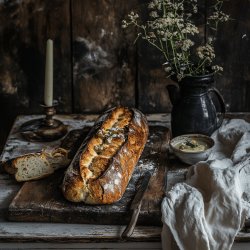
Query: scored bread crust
101 176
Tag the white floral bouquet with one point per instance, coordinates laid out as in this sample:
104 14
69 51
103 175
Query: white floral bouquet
172 31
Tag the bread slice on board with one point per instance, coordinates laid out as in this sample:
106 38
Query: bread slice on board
35 166
38 165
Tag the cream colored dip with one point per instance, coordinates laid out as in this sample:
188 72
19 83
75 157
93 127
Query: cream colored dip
192 146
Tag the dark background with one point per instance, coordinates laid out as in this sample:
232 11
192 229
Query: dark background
96 64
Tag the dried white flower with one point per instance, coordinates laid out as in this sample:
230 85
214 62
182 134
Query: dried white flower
219 16
190 29
151 35
195 8
168 69
179 76
153 14
187 44
210 40
151 5
206 52
217 68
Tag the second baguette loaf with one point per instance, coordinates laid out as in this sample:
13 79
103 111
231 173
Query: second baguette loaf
104 164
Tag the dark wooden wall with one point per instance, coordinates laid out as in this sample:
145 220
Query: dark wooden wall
96 63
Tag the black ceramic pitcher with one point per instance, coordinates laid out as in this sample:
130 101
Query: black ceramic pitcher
193 109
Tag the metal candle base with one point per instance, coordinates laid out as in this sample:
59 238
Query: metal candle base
44 129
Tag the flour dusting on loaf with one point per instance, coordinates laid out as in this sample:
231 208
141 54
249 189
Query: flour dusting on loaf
104 163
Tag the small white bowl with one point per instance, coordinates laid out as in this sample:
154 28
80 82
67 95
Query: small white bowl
192 157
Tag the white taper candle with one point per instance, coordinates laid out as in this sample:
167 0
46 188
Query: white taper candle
48 87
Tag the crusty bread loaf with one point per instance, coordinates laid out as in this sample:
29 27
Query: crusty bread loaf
103 165
38 165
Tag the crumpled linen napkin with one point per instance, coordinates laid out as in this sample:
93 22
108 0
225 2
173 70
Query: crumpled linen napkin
207 210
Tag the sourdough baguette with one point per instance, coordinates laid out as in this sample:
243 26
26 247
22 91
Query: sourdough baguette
104 163
38 165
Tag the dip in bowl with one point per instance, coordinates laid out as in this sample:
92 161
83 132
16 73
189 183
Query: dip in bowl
192 148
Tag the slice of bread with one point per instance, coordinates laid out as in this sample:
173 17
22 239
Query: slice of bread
37 165
32 167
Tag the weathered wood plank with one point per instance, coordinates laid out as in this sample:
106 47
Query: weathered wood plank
56 232
98 246
95 246
23 53
9 189
152 94
49 232
25 27
152 81
103 59
233 49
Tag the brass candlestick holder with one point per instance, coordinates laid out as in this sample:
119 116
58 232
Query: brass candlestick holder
44 129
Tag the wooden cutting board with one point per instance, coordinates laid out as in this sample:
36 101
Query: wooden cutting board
42 200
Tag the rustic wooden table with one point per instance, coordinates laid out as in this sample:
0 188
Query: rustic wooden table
24 235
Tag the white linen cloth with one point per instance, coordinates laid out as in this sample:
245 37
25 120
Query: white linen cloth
207 210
